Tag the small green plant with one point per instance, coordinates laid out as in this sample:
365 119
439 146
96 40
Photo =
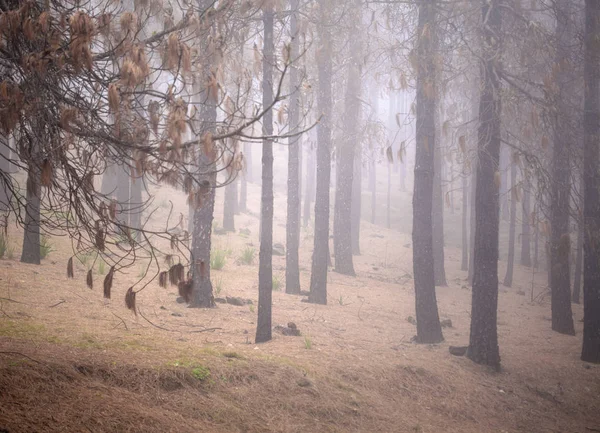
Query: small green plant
251 308
277 283
341 300
45 246
201 373
247 257
85 259
10 253
3 245
307 342
218 257
218 285
101 267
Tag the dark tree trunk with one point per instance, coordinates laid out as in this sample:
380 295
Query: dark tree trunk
483 341
473 223
265 271
464 264
578 264
438 218
292 268
342 218
31 230
526 228
229 205
428 321
591 175
560 242
320 257
508 277
5 169
356 202
504 163
243 201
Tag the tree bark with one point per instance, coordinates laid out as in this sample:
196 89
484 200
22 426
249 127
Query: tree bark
508 277
309 190
526 228
31 230
243 200
229 206
428 321
265 271
464 264
320 257
342 218
483 341
373 185
591 211
5 169
438 217
356 201
292 268
578 265
560 242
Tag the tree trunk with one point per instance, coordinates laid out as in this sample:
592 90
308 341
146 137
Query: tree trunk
591 211
320 257
31 230
526 228
243 201
438 217
292 230
373 187
473 223
265 271
229 206
5 169
508 277
356 202
578 265
504 163
428 321
342 218
309 191
123 195
560 242
464 265
483 341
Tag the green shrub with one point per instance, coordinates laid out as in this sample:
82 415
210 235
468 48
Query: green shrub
201 372
218 257
45 246
247 257
277 283
218 286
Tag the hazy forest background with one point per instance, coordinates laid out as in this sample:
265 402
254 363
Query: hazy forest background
300 215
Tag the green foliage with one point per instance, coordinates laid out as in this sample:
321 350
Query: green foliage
218 257
251 308
45 246
247 257
218 286
3 245
307 342
277 283
201 373
101 267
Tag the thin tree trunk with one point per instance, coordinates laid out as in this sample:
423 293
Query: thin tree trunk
31 230
265 271
504 163
508 277
229 206
428 321
309 190
578 265
560 243
464 265
483 341
342 219
292 268
243 201
320 257
5 169
438 217
356 202
526 228
591 212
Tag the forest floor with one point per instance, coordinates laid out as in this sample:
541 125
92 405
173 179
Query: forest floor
71 361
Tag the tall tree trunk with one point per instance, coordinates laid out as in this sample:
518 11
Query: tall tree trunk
504 163
309 190
560 243
356 201
320 257
526 228
578 271
473 223
373 187
591 211
292 265
342 218
206 177
428 321
229 205
438 217
5 169
31 230
265 271
508 277
464 264
243 200
483 341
